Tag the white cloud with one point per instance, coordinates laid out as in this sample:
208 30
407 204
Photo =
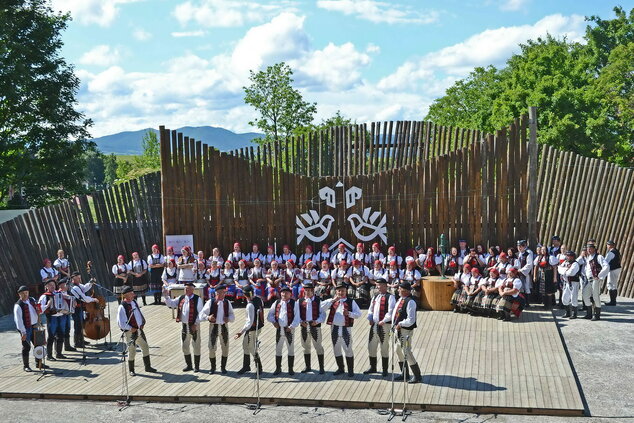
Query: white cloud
227 13
513 5
334 67
87 12
378 11
101 55
141 34
198 33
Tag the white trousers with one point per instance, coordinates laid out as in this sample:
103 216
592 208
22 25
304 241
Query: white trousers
379 335
342 341
571 294
218 333
187 338
404 347
311 335
136 339
592 289
282 337
248 342
613 278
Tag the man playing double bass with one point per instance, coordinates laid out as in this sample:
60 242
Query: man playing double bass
78 290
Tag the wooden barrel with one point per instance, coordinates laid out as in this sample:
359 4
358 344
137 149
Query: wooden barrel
436 293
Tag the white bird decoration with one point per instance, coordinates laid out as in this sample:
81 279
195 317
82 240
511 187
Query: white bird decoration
315 229
362 225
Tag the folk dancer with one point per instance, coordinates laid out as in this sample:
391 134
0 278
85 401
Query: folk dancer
255 254
342 255
251 329
308 255
359 282
379 317
596 270
121 272
215 256
511 300
292 278
342 310
307 274
25 312
284 315
219 313
392 256
461 283
412 275
360 255
311 316
79 290
200 257
613 259
274 280
257 278
270 257
188 308
138 270
228 278
186 265
478 283
324 281
404 322
376 254
287 255
236 255
62 265
491 292
524 265
394 275
53 304
341 275
544 276
213 280
156 264
324 254
132 322
201 277
377 272
569 271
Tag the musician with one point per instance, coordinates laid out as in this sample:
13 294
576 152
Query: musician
68 308
324 281
284 315
170 273
131 321
324 254
404 322
287 255
524 265
78 290
596 270
53 304
254 254
311 317
376 253
215 256
358 282
377 272
227 277
379 315
342 255
186 265
62 265
218 312
412 275
25 312
392 256
342 310
236 255
188 308
274 279
308 255
613 259
511 300
270 257
251 330
544 276
257 278
241 279
138 269
48 273
558 250
360 255
121 272
156 263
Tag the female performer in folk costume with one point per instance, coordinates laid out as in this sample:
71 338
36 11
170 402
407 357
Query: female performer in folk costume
461 281
201 276
292 278
287 255
121 272
62 265
186 265
213 281
324 254
341 275
257 278
394 275
360 255
324 281
503 265
471 259
491 260
138 269
511 300
341 255
227 278
308 255
430 262
359 283
241 279
200 256
156 263
274 281
170 273
482 256
491 293
236 255
524 265
452 264
254 254
307 275
474 291
215 256
169 255
392 256
270 257
413 276
544 276
376 254
377 273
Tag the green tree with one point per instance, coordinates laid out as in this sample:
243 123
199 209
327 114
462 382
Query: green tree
110 169
95 169
281 107
43 138
151 156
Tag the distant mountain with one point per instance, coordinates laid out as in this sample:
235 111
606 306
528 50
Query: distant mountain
129 142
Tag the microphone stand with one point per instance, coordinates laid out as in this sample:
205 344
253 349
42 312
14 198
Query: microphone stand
124 372
256 357
110 293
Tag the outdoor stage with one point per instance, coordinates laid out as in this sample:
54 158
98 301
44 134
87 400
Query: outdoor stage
467 365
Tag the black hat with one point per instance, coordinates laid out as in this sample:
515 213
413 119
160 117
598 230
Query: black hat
285 288
190 283
61 281
381 280
571 253
522 242
610 242
223 286
127 289
247 290
341 285
591 244
75 273
555 238
405 285
418 247
308 285
22 288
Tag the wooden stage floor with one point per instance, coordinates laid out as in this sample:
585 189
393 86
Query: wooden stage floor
469 364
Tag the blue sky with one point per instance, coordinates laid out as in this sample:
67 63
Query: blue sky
144 63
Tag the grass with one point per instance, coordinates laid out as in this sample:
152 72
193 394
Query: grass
126 157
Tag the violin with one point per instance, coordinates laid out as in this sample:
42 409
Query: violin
96 325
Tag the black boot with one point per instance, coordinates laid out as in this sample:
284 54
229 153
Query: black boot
246 364
258 364
416 377
40 364
144 303
613 294
291 362
597 314
574 313
131 368
588 313
148 365
25 362
350 363
340 369
188 361
568 311
67 346
307 361
196 363
223 365
320 359
386 362
213 366
372 368
404 373
59 344
278 365
49 348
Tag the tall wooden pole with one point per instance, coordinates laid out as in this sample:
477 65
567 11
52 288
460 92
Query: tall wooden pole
532 176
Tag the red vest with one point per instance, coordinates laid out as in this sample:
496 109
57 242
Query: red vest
193 311
315 309
50 309
347 305
290 311
130 315
383 305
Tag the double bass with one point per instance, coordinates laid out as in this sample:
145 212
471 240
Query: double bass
96 325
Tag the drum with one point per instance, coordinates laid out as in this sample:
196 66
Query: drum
39 352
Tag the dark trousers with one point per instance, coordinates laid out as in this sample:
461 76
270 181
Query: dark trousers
78 320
